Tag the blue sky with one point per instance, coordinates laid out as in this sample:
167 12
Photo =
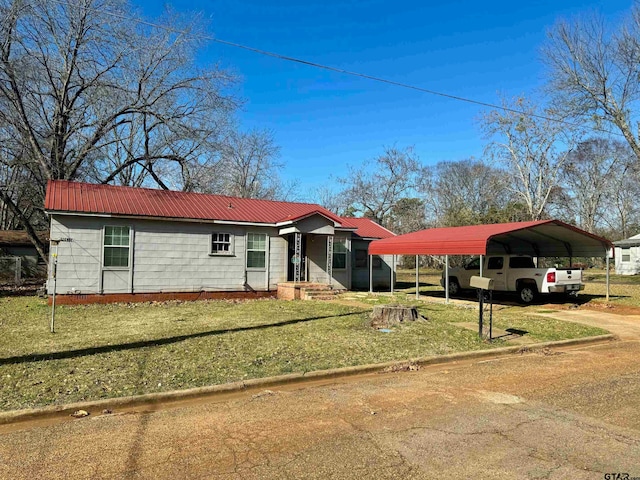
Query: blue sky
324 121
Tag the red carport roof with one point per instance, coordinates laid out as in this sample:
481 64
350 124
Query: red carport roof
548 238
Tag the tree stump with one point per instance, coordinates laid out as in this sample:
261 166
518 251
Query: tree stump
387 315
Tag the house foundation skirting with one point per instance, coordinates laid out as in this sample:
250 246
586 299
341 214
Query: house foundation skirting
82 299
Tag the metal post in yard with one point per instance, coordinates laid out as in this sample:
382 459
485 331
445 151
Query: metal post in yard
481 313
54 268
446 279
370 273
608 275
491 315
417 276
481 265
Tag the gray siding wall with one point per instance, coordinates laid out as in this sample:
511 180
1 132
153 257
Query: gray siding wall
277 260
165 257
316 224
360 276
317 257
632 267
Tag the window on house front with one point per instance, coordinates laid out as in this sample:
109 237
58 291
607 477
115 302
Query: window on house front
339 253
221 243
116 246
256 250
626 254
360 260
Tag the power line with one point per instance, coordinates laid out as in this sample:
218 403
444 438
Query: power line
333 69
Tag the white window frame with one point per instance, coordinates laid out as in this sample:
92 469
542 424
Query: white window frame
336 241
231 242
625 252
105 246
247 250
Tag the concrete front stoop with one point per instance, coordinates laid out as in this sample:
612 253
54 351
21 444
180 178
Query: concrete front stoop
306 291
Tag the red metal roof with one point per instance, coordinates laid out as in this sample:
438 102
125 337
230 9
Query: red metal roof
539 238
86 198
65 196
367 228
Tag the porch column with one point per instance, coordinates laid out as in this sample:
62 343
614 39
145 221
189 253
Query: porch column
330 259
297 257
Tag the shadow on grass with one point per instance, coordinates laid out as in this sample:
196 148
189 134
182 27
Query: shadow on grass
81 352
404 285
510 299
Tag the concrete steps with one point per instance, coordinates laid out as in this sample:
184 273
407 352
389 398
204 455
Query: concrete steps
319 292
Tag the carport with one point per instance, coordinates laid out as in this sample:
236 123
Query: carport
541 238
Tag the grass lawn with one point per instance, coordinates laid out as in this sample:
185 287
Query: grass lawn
157 347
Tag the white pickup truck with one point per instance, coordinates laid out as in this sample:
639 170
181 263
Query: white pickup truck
516 273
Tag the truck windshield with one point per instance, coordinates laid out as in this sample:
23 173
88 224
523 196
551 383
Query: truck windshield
521 262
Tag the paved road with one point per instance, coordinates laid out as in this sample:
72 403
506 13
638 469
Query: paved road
545 415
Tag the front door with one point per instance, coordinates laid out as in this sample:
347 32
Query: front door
495 270
291 252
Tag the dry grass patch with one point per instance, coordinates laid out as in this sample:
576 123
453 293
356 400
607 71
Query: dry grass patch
158 347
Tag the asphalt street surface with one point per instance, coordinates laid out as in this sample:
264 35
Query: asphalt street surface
570 414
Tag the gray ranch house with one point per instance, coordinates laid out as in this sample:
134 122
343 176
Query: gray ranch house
112 243
627 256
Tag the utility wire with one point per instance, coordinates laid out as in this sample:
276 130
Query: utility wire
330 68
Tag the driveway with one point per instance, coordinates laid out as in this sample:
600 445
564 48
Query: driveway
553 415
627 327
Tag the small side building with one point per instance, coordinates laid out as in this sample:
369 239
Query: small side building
627 256
16 244
136 244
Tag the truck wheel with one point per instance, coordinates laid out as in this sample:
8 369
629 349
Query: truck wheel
454 287
527 293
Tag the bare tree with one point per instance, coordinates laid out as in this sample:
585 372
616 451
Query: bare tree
594 74
467 192
85 95
591 179
531 149
373 188
624 219
250 166
407 215
330 199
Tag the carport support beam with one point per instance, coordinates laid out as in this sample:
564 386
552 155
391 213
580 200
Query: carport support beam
446 279
370 273
417 276
393 269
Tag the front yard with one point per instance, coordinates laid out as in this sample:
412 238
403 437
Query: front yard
102 351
